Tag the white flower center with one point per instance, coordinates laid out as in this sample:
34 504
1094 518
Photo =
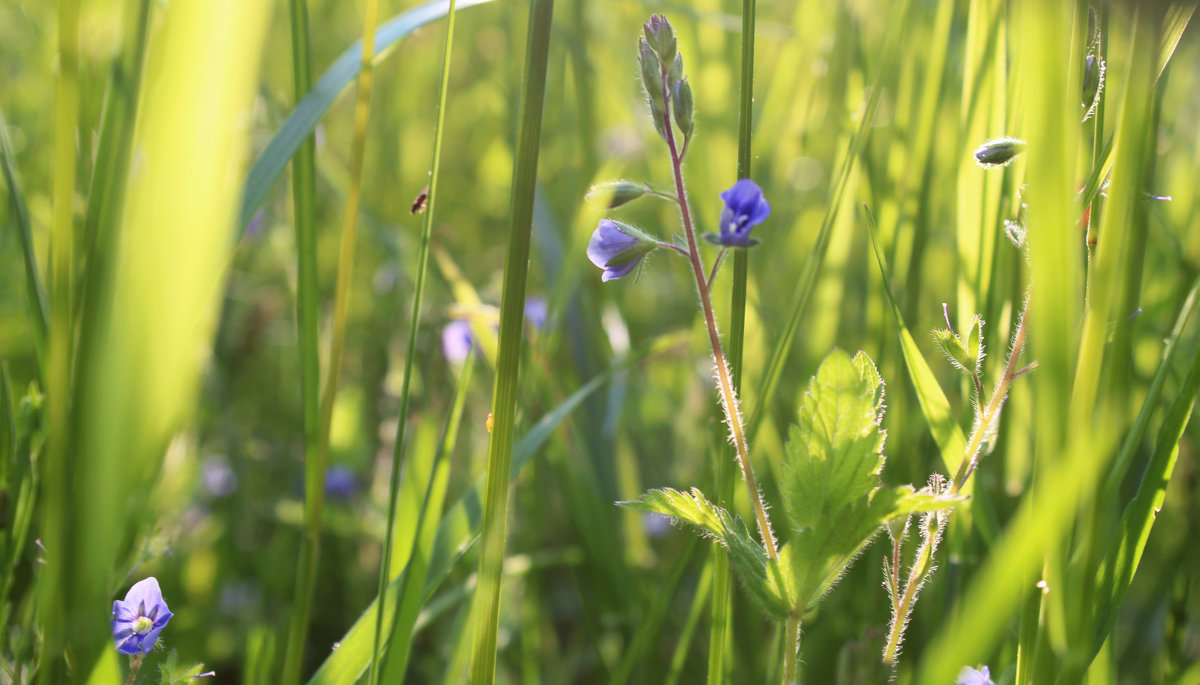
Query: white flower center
142 625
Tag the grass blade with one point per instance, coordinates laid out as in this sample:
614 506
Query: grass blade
34 290
486 612
411 350
315 468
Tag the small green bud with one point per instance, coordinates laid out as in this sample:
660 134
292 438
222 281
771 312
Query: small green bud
652 80
676 71
617 193
999 151
682 104
953 347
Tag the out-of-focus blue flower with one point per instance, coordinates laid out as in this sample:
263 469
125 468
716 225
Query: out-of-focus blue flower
536 309
655 524
219 478
457 340
340 483
969 676
618 248
140 618
745 208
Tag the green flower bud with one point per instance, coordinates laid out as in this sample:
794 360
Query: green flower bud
974 344
661 37
617 193
682 104
954 348
999 151
652 80
675 72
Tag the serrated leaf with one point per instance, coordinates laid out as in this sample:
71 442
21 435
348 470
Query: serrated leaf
830 483
835 453
763 580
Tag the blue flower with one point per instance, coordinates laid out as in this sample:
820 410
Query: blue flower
745 208
457 340
340 483
140 618
969 676
536 310
618 248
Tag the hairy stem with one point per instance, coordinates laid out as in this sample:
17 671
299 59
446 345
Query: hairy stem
791 643
924 558
729 400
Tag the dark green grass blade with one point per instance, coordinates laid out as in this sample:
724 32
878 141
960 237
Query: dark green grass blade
300 123
409 360
493 533
39 310
304 176
1115 575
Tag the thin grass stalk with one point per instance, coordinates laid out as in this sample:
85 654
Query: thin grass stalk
410 352
307 325
722 595
314 491
486 608
57 589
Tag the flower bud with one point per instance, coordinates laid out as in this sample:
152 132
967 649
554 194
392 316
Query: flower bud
1093 84
953 347
999 151
618 193
652 80
682 104
675 72
661 37
618 248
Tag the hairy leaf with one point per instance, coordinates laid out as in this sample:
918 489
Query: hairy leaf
764 580
830 483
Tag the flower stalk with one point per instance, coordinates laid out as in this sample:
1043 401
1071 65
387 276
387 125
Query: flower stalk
729 401
922 564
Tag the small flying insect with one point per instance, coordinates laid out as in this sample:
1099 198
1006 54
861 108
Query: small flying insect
419 204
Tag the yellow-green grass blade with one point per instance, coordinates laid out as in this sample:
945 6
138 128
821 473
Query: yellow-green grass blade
303 120
142 349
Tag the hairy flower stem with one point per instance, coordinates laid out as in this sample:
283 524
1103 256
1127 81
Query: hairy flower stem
133 668
924 558
791 643
724 383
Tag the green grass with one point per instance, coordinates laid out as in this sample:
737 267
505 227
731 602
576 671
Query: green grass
191 339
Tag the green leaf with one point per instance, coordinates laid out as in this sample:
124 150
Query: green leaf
830 482
763 579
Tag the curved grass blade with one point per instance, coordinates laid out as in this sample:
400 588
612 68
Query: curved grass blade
35 291
301 122
493 533
409 359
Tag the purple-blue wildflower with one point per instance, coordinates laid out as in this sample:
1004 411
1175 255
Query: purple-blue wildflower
618 248
457 340
745 208
140 618
340 483
969 676
536 310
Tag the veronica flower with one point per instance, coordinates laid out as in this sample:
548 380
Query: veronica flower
140 618
969 676
745 208
618 248
457 340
